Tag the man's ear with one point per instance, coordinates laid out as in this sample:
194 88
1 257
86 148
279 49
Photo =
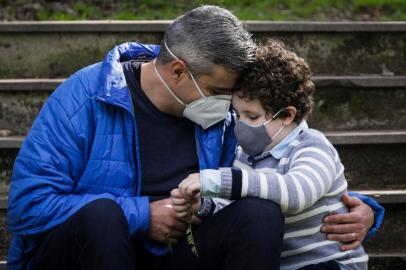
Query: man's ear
178 70
289 115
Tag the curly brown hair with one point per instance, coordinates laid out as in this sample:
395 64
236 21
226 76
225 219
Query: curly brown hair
278 78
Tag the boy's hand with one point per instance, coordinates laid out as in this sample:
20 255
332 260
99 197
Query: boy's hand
181 205
190 186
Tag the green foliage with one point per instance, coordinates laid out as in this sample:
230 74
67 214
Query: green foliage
244 9
189 234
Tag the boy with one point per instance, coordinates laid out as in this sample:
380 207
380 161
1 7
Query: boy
282 160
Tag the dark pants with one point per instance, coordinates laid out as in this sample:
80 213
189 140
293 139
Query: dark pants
245 235
330 265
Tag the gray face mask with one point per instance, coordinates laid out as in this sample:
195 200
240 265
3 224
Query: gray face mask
254 139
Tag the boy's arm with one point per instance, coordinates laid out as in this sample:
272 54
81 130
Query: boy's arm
211 205
312 172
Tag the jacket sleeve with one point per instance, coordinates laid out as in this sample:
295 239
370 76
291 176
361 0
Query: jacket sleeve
379 212
46 170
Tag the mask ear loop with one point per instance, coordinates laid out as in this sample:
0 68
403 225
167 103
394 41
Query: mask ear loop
279 131
166 85
197 86
191 75
276 115
273 118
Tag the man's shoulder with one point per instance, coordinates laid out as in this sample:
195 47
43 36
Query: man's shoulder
79 88
89 77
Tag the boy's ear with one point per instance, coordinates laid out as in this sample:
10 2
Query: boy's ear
289 115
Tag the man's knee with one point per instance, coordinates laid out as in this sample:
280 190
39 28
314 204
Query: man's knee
260 213
102 217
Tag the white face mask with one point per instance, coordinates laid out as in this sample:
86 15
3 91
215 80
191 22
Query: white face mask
205 111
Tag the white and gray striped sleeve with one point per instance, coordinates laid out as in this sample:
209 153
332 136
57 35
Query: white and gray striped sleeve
311 174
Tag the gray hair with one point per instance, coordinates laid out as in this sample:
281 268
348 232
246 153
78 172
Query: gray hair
208 36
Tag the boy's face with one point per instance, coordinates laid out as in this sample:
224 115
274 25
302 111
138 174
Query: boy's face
252 113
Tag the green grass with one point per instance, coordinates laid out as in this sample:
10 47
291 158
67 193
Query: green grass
318 10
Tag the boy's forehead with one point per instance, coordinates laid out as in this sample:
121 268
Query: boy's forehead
246 104
239 95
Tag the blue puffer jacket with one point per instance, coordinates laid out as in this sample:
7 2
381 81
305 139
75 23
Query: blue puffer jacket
83 146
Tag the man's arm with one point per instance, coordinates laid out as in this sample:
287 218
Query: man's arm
46 170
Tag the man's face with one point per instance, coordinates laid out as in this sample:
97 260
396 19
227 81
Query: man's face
219 82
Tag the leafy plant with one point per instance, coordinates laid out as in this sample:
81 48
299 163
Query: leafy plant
189 234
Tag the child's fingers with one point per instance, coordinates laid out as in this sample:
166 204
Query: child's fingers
175 193
183 186
179 201
188 186
181 208
192 189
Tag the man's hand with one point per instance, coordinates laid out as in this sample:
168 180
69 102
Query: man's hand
181 205
190 186
165 226
350 228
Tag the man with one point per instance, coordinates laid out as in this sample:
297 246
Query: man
92 181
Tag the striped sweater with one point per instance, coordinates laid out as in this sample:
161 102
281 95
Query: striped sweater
307 181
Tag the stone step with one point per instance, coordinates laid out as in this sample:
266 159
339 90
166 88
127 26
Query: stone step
331 48
342 103
374 166
390 237
372 160
387 261
382 196
336 138
364 81
5 235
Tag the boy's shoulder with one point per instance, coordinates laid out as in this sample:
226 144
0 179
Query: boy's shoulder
313 135
313 138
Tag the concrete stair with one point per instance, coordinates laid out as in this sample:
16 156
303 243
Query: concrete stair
343 103
360 76
331 48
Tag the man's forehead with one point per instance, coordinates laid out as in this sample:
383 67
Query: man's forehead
222 78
